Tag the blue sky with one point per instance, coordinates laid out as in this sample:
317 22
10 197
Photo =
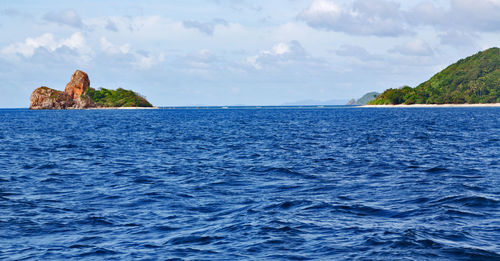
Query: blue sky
223 52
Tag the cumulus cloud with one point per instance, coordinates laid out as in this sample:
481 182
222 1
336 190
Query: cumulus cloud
145 60
457 39
30 45
123 54
415 47
363 17
46 42
481 15
109 48
464 15
205 28
387 18
201 63
425 13
67 17
123 23
282 54
321 12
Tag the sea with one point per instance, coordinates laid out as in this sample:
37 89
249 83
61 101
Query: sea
250 183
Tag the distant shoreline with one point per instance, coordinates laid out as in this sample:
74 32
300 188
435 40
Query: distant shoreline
477 105
432 105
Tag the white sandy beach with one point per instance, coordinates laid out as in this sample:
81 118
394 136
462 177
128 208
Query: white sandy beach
433 105
124 108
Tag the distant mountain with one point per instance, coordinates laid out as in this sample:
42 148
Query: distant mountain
365 99
316 102
475 79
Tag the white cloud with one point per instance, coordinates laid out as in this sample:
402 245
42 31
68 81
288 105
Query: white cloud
382 9
146 60
321 11
205 63
425 13
67 17
476 14
458 39
415 47
76 41
205 28
279 49
463 15
110 48
30 46
387 18
138 59
281 54
363 17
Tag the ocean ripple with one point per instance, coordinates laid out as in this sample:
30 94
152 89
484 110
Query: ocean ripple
258 184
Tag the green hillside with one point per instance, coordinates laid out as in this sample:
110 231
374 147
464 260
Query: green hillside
475 79
367 98
117 98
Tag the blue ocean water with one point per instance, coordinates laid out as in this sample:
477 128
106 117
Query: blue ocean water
251 184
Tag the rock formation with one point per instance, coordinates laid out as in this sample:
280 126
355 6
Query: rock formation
47 98
77 85
73 97
79 95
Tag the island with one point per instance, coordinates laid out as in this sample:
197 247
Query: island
473 80
79 95
365 99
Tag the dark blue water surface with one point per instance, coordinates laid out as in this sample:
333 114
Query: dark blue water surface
258 184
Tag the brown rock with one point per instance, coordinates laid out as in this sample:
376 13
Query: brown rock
77 85
73 97
45 98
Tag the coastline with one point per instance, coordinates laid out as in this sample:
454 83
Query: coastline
124 108
473 105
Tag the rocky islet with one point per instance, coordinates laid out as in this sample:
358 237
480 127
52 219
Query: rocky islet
78 95
73 97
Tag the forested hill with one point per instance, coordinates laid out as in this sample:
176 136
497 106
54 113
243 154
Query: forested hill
475 79
117 98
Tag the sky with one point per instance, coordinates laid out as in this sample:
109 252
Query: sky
237 52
